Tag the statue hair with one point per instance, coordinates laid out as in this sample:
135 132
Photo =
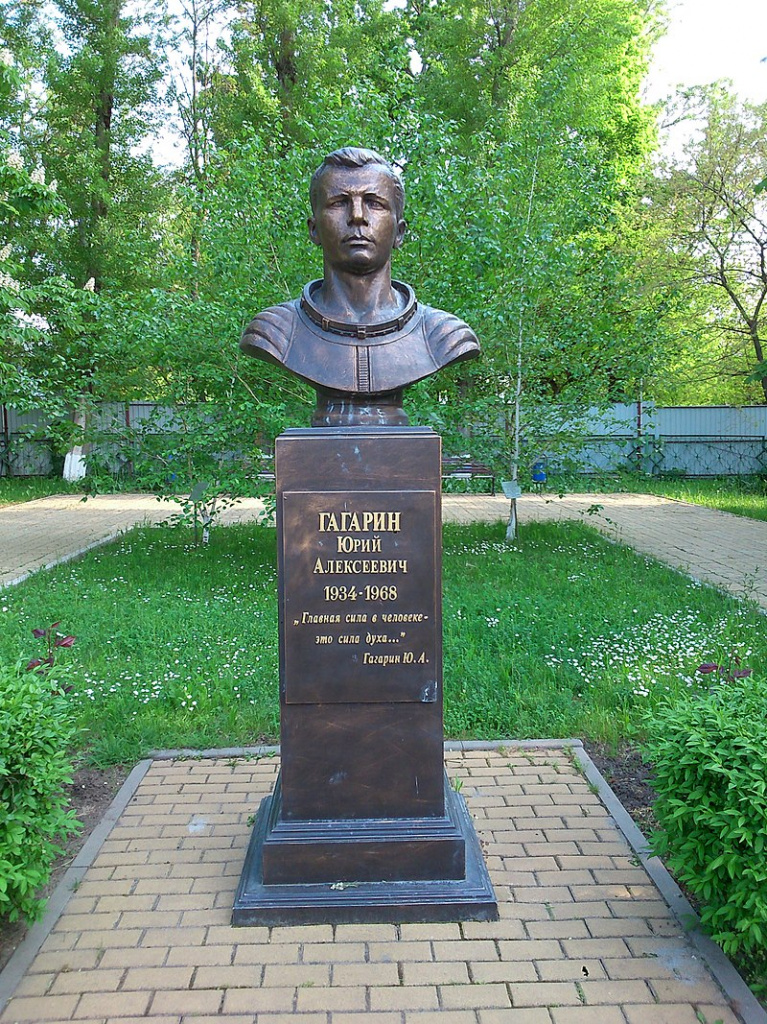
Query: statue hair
354 156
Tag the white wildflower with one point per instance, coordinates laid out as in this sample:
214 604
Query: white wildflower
38 176
90 285
14 161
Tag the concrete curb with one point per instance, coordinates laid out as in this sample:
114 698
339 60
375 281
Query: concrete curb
69 557
743 1000
738 993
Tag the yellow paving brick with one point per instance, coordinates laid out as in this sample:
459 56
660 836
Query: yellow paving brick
530 949
590 1015
596 991
586 910
504 929
112 1004
366 932
86 922
185 1001
64 960
258 1000
333 952
302 933
406 997
146 978
610 947
437 1017
466 949
122 938
173 937
603 927
295 975
34 985
134 957
400 951
150 919
372 974
700 991
511 970
679 1014
545 993
638 967
450 930
282 953
226 977
198 956
569 970
523 1015
453 973
226 934
385 1017
473 997
330 999
76 982
572 928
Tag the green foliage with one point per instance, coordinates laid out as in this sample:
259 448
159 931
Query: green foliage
36 732
709 754
708 220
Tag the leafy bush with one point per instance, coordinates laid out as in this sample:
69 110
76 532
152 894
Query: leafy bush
709 754
36 731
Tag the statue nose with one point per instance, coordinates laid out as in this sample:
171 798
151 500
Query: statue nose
357 211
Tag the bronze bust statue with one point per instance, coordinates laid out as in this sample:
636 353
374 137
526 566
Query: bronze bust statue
357 336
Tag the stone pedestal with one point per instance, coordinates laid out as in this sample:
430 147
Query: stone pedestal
362 825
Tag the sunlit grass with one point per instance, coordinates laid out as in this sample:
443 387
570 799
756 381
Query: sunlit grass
741 495
562 634
26 488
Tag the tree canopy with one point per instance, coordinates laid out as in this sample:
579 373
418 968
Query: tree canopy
526 150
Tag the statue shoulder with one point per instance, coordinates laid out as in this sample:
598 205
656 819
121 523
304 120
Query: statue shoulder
448 337
268 335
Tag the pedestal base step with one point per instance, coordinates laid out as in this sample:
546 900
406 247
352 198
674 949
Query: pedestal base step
468 898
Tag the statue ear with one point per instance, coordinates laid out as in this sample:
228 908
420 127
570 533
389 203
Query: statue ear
312 225
400 236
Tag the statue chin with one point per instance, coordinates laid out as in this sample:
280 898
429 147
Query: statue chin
340 409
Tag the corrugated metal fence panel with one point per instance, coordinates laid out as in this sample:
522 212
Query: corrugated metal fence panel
712 420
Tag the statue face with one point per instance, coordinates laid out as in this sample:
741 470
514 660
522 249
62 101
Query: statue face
355 218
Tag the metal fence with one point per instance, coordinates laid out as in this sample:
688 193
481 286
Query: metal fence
684 440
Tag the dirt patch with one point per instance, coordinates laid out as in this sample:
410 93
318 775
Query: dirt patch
629 776
91 793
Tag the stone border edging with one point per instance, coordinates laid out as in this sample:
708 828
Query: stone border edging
69 557
734 987
737 991
30 945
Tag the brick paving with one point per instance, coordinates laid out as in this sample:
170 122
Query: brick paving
584 935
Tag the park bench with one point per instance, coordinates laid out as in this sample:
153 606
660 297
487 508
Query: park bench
463 467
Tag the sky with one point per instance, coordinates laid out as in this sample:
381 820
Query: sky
712 39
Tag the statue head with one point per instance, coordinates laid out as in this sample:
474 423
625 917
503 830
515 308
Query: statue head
357 202
354 156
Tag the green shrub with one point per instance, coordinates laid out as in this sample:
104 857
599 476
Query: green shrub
36 732
709 755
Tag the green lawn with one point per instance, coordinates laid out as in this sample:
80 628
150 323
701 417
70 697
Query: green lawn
562 634
26 488
743 496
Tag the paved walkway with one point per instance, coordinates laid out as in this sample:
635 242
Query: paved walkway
726 550
586 935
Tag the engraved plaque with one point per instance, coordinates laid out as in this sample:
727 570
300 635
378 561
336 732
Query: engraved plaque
360 608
